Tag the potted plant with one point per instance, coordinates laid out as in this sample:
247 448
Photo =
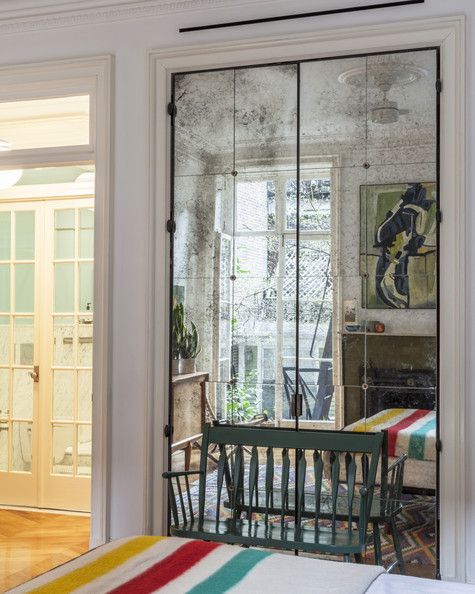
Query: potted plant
178 333
190 349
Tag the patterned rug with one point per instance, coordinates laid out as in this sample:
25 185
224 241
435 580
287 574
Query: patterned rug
416 522
416 525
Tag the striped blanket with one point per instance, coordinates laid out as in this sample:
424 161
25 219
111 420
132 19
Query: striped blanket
410 431
148 564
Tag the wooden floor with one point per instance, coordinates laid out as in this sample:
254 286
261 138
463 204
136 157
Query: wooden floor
31 543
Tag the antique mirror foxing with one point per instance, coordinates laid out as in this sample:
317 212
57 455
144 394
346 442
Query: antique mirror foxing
304 260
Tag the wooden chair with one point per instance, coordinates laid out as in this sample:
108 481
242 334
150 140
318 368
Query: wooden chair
239 476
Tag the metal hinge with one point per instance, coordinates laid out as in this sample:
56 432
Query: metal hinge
168 430
171 109
438 445
171 226
438 85
438 216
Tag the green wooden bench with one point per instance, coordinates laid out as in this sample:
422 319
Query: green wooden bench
339 515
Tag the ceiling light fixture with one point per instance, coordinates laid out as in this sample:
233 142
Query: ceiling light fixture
382 76
8 177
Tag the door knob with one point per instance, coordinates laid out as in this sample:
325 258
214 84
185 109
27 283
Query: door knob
35 374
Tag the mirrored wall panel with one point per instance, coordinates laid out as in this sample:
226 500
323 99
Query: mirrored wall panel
304 261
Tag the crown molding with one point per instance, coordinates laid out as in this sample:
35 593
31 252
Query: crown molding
17 16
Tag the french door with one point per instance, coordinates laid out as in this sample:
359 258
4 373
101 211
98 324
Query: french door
46 321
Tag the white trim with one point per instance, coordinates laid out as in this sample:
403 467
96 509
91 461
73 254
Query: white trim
92 76
21 16
449 34
100 488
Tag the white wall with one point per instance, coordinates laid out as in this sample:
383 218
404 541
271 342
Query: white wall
128 41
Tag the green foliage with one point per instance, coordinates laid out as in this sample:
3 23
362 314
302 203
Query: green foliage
242 402
185 339
178 329
190 347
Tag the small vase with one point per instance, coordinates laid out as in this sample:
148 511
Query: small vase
187 366
175 366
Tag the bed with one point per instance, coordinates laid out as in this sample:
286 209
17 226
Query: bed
411 431
177 565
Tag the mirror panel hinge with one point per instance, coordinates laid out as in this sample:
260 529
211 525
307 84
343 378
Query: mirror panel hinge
171 226
438 85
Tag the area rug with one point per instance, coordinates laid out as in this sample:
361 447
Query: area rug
416 526
416 522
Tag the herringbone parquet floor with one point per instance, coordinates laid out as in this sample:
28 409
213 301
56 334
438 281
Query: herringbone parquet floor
32 542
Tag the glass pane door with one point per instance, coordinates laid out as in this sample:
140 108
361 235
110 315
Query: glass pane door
69 384
18 363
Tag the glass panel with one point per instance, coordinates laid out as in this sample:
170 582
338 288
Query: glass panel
86 232
203 99
25 235
63 395
86 286
84 395
35 123
44 182
332 113
22 394
64 287
3 446
203 215
24 288
21 447
64 234
85 329
255 203
4 287
23 341
5 235
4 393
402 107
84 450
266 118
63 330
63 449
4 340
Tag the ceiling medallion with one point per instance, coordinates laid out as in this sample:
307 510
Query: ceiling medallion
382 75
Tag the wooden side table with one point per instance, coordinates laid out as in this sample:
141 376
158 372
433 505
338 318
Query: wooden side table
191 409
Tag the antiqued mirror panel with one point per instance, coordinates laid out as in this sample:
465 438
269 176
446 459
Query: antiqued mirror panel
304 252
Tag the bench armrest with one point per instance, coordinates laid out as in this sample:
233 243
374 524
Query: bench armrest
179 494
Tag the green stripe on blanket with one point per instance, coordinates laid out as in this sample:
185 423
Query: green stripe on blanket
417 441
230 573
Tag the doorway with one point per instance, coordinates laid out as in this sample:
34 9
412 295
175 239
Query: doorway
46 334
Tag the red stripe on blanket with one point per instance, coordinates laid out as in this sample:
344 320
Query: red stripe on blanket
394 430
167 569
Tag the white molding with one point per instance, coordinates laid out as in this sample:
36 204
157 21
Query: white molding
92 76
102 354
448 33
22 16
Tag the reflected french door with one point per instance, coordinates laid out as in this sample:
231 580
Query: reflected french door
46 321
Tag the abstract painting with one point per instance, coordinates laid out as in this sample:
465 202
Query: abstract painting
398 245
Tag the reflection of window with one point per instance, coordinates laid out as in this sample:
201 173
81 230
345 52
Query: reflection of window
264 290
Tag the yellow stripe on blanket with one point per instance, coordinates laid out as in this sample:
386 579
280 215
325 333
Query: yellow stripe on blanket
97 568
364 425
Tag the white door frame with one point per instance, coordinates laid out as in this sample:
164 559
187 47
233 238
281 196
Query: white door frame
92 75
448 33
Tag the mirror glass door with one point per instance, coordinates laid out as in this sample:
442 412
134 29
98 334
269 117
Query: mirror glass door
304 259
